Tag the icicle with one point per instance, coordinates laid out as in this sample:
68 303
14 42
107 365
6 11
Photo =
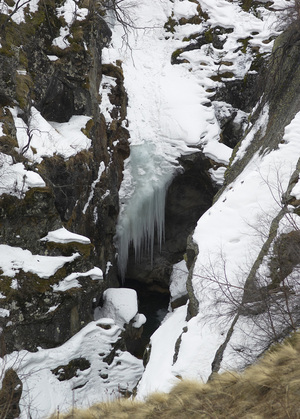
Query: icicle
142 195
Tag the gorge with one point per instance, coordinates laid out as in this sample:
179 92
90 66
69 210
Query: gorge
148 151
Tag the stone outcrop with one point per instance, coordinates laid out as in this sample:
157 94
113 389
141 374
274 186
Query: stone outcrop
59 80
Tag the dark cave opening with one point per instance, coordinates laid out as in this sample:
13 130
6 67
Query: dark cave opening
189 196
154 305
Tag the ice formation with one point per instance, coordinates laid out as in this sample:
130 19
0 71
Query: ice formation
142 215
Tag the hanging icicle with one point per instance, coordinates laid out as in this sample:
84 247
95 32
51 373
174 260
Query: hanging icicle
142 197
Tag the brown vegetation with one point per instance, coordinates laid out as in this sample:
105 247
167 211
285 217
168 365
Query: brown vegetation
268 389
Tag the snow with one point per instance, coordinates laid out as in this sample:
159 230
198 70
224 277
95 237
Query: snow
178 280
52 57
217 175
229 236
93 186
62 40
62 235
234 218
43 394
261 124
71 12
17 7
4 312
197 349
169 115
15 179
158 375
138 320
53 308
106 107
71 280
13 259
120 305
51 138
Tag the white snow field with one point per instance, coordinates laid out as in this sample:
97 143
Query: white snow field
44 393
168 112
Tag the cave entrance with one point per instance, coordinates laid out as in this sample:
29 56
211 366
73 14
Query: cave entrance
154 305
189 195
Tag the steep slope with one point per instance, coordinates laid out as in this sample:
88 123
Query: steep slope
59 167
243 283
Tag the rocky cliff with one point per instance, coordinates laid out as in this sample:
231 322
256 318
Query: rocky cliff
51 70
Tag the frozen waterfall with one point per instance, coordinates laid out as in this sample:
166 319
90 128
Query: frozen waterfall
147 176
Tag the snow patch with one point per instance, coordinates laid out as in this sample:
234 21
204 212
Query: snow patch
62 235
119 304
178 280
71 280
44 394
93 186
50 138
13 259
15 179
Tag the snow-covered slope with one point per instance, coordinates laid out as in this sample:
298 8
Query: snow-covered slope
231 235
170 112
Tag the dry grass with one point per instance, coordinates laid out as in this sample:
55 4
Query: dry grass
268 389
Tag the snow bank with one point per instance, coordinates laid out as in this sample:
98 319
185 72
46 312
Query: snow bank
50 138
44 393
71 280
121 305
178 280
158 375
15 179
62 235
12 259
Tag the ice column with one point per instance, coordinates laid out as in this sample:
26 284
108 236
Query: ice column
147 176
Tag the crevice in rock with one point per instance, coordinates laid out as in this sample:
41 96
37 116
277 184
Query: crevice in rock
154 305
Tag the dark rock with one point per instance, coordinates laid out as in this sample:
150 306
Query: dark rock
66 372
59 89
10 395
23 222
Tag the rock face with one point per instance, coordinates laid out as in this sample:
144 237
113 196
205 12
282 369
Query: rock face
10 394
59 76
